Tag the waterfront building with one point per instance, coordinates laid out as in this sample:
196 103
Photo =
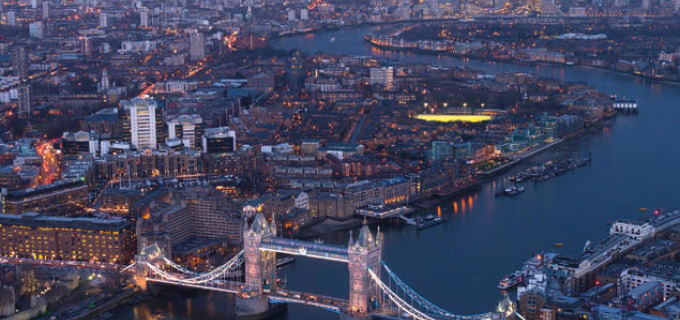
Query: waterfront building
642 230
441 150
34 236
49 198
191 221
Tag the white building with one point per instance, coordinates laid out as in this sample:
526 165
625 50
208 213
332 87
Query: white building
45 10
383 76
304 14
103 20
291 15
137 46
105 83
35 30
185 128
641 230
142 114
144 17
196 46
12 18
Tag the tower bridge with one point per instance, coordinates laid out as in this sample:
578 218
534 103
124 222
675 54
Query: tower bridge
374 289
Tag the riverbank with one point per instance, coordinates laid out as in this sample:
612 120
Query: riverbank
517 61
116 301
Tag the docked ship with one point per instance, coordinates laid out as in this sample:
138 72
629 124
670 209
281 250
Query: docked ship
510 281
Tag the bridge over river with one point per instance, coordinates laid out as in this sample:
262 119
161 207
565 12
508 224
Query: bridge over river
251 275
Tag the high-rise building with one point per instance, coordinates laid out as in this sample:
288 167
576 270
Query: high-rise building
297 75
45 10
103 20
86 46
12 18
188 128
34 4
20 62
140 121
35 30
144 17
196 46
291 15
24 98
105 81
383 76
304 14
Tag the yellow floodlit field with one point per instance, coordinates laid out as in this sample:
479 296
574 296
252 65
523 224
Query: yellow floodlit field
453 117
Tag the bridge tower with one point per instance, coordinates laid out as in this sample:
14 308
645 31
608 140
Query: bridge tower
260 265
151 254
365 253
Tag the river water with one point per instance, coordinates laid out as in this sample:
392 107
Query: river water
458 264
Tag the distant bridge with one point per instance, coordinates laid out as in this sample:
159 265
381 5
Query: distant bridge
251 274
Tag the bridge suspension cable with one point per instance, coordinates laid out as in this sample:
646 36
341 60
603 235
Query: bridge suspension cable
178 267
415 304
401 304
200 278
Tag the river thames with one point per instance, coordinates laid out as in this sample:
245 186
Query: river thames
458 264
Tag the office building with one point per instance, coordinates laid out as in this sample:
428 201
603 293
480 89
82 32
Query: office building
188 128
141 120
219 140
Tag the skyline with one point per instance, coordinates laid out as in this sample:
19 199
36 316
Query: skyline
219 159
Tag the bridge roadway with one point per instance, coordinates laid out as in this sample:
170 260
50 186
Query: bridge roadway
305 248
214 285
280 295
329 303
